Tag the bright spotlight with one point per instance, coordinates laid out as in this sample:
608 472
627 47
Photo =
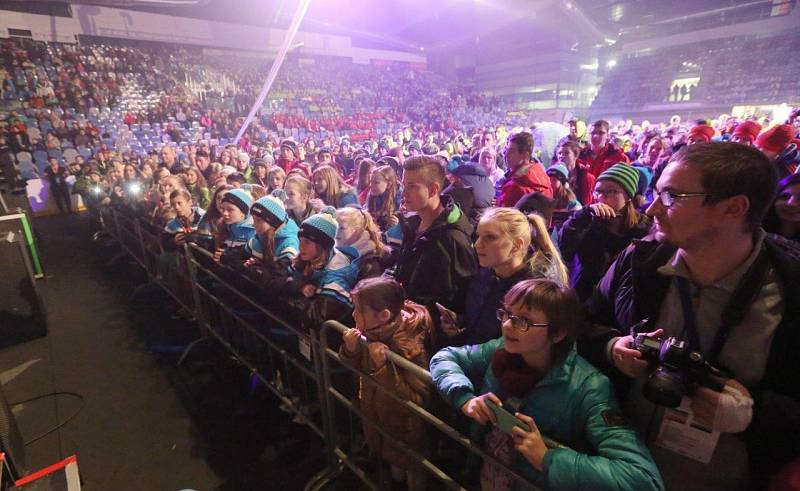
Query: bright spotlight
611 63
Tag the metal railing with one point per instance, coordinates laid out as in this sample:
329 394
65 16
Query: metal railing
313 384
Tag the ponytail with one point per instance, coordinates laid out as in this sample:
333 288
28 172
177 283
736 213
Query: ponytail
381 249
545 256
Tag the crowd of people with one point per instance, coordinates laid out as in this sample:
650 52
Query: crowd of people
577 297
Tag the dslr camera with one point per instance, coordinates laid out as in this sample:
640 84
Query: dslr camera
673 368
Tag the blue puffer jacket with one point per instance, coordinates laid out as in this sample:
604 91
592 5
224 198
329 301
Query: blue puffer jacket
575 405
240 233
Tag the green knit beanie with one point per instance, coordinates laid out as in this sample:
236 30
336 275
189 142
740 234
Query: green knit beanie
624 175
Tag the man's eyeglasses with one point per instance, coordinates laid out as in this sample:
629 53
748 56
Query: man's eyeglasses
521 324
668 197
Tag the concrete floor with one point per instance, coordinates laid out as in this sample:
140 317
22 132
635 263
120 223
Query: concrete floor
146 425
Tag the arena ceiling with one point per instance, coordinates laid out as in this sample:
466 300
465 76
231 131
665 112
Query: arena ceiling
418 25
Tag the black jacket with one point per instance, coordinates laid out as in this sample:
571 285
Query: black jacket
437 266
632 290
588 248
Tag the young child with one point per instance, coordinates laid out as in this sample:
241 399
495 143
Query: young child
188 217
357 230
389 322
238 225
275 244
322 273
298 196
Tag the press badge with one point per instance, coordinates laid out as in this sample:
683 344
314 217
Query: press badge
305 347
680 433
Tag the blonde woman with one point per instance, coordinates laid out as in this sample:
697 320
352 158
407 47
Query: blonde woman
511 247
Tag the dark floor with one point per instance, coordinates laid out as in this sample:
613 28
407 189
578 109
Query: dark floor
146 424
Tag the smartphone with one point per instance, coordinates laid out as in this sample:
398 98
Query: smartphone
505 420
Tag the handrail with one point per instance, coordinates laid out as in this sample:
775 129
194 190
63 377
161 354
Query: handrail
406 364
321 372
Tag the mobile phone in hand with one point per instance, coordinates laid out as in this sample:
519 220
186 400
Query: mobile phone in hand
505 420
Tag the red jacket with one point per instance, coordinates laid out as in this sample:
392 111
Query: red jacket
516 186
607 157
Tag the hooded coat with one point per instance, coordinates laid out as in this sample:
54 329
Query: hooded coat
517 183
406 335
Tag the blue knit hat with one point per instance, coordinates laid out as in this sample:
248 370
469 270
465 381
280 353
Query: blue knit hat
321 228
240 199
559 171
271 209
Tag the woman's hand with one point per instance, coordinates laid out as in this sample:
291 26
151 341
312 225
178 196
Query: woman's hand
603 211
180 238
309 290
477 409
392 220
447 321
351 338
529 443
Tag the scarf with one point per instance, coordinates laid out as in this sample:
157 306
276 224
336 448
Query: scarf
514 375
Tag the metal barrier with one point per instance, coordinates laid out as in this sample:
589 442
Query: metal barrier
300 368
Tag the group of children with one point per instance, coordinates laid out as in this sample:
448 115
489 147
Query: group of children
335 264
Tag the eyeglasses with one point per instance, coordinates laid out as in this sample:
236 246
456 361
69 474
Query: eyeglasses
668 197
605 192
521 324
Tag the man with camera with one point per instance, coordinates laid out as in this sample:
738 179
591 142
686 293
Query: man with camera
728 293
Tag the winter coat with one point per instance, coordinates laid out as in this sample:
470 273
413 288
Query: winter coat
406 336
271 273
484 297
286 244
336 278
607 157
333 283
632 290
588 248
178 225
573 404
438 265
527 179
370 264
239 234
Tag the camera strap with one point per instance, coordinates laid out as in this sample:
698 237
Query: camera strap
734 312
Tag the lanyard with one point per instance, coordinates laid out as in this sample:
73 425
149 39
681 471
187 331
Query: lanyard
734 312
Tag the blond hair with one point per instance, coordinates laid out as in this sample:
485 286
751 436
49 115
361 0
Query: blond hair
362 220
544 259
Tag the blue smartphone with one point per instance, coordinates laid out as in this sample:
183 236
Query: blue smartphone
505 420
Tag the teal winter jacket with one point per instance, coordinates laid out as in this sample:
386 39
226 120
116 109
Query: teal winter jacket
573 404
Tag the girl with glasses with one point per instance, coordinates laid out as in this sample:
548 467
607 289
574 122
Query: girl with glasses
591 239
535 373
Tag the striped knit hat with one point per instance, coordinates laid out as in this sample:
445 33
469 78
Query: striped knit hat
271 209
624 175
240 199
321 228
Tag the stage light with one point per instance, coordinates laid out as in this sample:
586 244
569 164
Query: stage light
611 63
